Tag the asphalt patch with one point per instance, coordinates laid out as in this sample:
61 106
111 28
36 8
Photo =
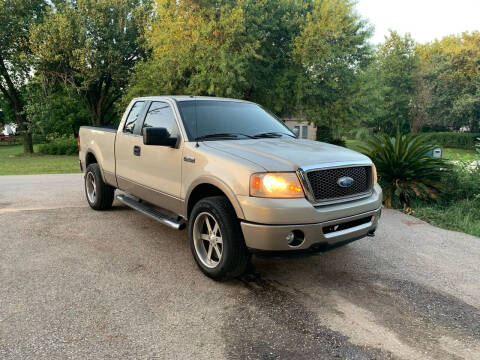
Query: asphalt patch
270 323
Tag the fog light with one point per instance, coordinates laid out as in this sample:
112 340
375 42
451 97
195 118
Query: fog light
295 238
290 238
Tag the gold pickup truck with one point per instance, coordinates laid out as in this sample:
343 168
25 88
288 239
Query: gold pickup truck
234 175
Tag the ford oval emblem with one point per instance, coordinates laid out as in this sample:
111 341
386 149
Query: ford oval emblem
345 181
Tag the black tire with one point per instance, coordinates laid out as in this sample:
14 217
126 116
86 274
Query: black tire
104 193
235 256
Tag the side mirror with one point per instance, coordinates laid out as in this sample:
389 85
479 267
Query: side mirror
159 137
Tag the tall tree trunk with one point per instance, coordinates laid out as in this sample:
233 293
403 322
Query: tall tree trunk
27 143
27 137
15 102
20 119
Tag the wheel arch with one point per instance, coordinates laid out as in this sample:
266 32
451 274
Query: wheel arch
210 186
92 158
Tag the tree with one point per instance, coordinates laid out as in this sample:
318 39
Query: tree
397 66
273 71
92 46
54 109
198 48
331 49
17 17
453 75
235 48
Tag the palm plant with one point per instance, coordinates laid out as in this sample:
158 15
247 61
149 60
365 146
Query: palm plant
404 168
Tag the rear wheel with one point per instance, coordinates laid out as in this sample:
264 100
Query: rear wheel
99 194
216 239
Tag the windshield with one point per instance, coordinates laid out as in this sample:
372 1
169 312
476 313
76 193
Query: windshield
220 120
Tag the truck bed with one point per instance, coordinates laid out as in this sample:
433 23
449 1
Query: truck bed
109 128
99 140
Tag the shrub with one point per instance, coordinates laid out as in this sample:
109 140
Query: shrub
362 134
463 215
477 146
403 167
454 140
462 182
60 146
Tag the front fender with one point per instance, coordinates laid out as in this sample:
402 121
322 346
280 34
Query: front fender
215 181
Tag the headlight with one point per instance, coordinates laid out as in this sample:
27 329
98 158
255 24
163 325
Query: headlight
276 185
374 168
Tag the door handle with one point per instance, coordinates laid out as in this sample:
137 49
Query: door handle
136 150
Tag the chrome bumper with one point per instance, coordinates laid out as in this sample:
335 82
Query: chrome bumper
273 237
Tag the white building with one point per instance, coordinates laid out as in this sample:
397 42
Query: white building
9 130
303 128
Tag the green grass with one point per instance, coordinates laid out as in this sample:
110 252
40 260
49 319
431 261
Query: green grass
460 154
448 153
14 162
352 144
463 215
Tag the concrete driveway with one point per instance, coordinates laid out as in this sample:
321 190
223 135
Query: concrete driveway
75 283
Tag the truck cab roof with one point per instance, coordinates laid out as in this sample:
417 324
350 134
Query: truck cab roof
186 98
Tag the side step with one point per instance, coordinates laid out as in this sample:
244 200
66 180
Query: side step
153 213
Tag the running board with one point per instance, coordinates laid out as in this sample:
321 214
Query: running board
153 213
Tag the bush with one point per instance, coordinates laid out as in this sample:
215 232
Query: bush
454 140
361 134
60 146
458 207
463 215
404 169
462 182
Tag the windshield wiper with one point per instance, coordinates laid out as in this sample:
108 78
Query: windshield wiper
223 135
271 135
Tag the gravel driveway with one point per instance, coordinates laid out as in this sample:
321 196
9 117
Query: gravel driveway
75 283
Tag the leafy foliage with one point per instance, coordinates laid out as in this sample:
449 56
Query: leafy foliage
290 56
16 19
393 77
458 208
197 48
53 109
404 168
65 145
92 46
331 49
452 74
461 183
453 139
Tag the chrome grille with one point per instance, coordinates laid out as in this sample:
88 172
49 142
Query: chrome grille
324 186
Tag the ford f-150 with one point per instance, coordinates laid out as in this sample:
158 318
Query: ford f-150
234 175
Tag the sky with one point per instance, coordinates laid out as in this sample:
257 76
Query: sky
425 20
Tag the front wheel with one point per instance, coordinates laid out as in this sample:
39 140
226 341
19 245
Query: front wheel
99 194
216 239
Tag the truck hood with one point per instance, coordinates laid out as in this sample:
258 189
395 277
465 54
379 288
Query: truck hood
286 154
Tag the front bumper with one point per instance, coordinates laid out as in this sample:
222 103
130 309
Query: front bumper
316 236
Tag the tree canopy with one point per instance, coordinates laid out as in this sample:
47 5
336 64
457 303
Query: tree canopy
92 46
66 63
288 55
17 17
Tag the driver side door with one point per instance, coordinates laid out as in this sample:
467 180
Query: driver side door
160 167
